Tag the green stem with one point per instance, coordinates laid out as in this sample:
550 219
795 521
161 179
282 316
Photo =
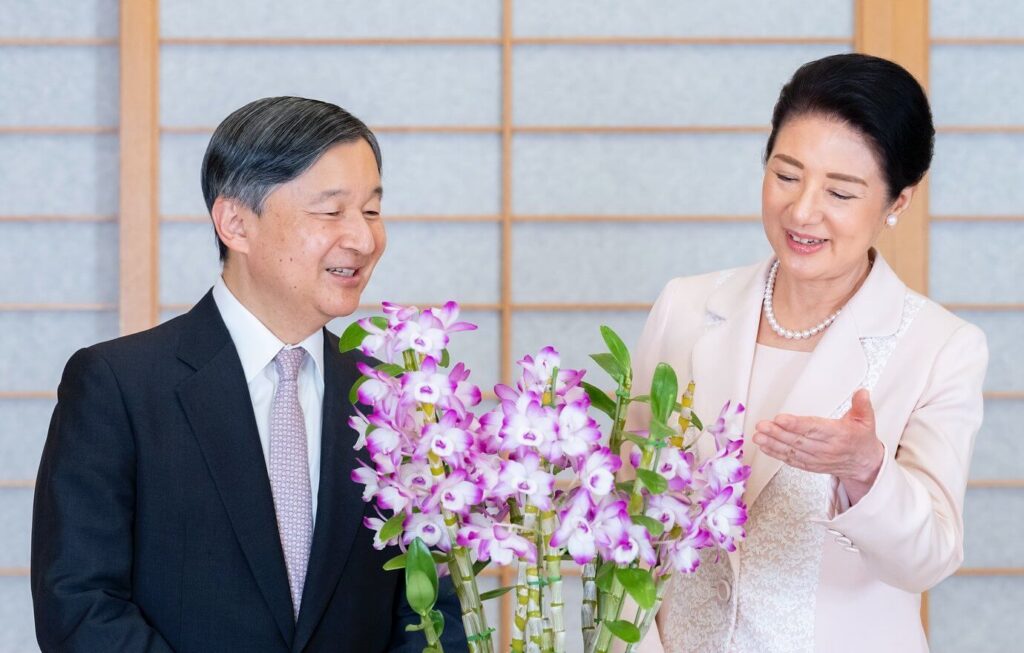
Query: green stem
611 608
619 421
433 640
649 615
588 610
553 565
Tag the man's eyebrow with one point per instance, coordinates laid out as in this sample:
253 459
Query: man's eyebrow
334 192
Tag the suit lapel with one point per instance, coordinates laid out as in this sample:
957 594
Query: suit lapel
217 404
339 501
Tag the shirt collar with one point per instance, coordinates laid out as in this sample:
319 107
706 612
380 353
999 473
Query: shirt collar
256 344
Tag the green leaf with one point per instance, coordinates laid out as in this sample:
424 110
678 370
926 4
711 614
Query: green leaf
653 481
390 369
610 365
446 359
420 577
392 527
438 618
636 504
479 566
379 321
643 399
352 337
664 388
353 393
625 486
637 439
605 575
696 421
653 526
616 347
624 630
411 628
660 430
599 400
639 584
398 562
493 594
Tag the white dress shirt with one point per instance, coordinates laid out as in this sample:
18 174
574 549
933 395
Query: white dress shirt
257 346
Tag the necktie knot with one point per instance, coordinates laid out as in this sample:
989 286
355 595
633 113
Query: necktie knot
288 362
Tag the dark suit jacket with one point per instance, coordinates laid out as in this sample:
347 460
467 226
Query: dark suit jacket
154 525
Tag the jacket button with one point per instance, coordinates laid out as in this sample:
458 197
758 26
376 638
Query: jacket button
724 590
845 541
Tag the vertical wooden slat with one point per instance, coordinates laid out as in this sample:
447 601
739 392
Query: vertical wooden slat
507 575
898 30
139 149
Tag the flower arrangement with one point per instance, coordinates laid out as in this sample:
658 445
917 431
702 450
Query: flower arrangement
456 491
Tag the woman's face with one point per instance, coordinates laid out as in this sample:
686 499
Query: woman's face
824 198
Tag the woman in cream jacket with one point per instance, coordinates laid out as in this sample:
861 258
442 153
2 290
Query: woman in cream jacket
863 397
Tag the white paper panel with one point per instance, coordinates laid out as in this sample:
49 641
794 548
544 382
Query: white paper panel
36 345
330 18
976 262
18 633
58 174
638 174
59 19
977 18
978 175
631 262
1003 330
15 526
189 263
976 615
66 86
977 85
993 529
23 427
58 262
654 85
432 174
781 18
381 85
999 448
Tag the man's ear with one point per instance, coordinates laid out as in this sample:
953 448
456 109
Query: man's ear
229 221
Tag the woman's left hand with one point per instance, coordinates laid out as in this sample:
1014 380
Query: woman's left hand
846 448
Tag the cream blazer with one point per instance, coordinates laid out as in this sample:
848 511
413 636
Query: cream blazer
924 367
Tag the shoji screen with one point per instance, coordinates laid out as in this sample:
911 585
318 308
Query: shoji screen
58 243
977 268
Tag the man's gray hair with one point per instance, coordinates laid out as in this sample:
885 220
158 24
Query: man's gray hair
270 142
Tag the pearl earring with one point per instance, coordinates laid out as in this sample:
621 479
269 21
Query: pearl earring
892 220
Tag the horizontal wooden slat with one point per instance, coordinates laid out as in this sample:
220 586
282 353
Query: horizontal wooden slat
66 41
57 129
27 394
982 40
15 307
990 571
977 218
539 40
58 218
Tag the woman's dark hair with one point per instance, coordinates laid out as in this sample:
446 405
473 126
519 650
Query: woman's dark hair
271 141
878 98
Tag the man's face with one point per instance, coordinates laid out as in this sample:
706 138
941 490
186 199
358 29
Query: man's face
310 254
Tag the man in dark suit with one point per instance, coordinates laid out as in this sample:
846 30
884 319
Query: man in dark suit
194 491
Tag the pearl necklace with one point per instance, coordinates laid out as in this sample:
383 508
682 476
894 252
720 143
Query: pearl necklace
769 312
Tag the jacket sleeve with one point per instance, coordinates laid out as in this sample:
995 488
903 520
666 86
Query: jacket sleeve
909 526
82 542
453 638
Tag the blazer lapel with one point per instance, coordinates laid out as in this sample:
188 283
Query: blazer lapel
838 365
217 404
339 501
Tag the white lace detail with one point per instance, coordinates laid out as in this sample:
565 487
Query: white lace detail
781 556
698 610
780 559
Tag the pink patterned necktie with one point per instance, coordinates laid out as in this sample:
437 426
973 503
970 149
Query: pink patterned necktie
289 471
